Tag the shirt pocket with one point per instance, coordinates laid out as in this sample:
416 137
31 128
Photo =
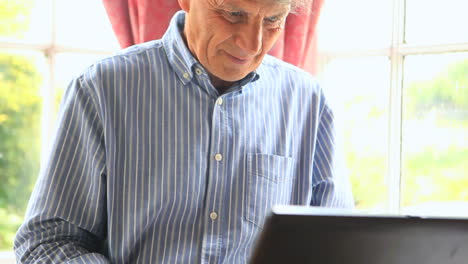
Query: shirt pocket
269 182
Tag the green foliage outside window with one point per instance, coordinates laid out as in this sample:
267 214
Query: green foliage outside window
437 110
15 17
20 108
447 92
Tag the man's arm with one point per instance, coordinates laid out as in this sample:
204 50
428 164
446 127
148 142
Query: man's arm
66 216
331 186
56 241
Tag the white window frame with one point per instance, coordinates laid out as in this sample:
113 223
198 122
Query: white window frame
396 52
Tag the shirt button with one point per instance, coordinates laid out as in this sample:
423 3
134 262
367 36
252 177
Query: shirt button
218 157
219 101
213 216
198 71
186 75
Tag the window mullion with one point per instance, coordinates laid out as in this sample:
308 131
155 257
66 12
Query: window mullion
48 95
395 104
407 49
48 90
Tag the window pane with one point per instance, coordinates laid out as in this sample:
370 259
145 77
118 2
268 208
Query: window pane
359 90
84 24
435 134
28 20
358 24
21 77
435 21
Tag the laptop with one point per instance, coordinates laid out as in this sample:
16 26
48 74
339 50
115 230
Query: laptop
294 234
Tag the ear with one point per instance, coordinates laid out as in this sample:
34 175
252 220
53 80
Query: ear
185 5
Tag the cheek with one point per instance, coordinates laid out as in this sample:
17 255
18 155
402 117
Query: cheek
215 35
270 38
221 33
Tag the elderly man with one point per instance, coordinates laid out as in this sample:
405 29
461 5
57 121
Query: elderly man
174 151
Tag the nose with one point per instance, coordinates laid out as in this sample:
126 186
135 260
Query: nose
249 39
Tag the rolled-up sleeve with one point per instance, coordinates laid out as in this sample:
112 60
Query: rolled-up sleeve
66 216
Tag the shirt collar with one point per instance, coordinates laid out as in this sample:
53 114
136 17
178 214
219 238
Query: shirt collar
179 55
177 52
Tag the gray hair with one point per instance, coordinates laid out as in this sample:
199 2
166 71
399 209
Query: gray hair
297 5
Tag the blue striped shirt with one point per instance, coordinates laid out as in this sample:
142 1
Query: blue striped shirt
150 164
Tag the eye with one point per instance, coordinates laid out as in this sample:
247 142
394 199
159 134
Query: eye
272 19
273 22
235 14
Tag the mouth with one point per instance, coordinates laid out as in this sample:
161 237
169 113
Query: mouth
236 60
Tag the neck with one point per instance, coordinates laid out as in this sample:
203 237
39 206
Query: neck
219 84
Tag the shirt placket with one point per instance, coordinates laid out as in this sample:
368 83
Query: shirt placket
212 241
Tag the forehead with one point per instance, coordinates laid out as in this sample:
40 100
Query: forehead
254 5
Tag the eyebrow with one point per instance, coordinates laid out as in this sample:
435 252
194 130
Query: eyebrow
238 9
231 7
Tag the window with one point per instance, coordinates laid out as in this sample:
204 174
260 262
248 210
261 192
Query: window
398 73
435 133
43 44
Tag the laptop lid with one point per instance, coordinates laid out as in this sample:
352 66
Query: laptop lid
293 234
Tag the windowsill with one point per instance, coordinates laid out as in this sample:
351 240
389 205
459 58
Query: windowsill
7 257
438 209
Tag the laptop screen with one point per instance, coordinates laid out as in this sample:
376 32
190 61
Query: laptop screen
294 234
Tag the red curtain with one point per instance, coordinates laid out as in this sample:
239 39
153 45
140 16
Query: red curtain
137 21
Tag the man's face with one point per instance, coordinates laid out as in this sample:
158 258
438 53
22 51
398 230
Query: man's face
231 37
